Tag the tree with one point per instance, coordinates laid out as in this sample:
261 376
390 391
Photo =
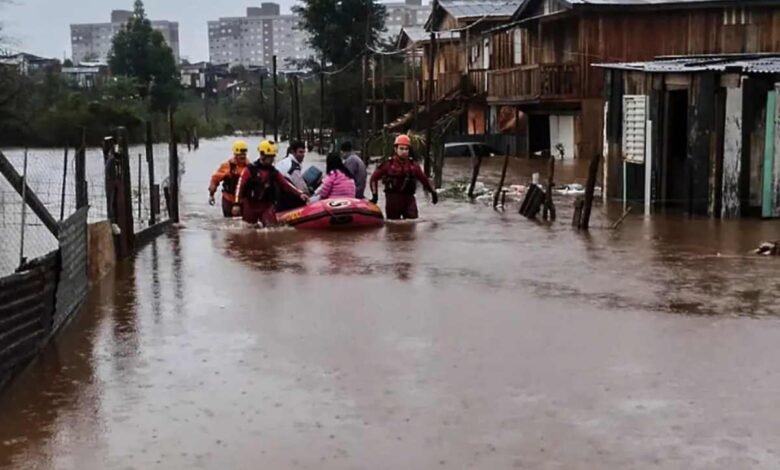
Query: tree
140 52
341 32
338 28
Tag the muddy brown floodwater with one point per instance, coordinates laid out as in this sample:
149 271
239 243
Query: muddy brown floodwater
471 339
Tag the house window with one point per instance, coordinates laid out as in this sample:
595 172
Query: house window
737 16
517 44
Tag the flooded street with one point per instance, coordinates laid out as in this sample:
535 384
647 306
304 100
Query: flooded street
470 339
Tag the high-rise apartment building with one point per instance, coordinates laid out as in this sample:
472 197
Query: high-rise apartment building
411 13
92 42
253 40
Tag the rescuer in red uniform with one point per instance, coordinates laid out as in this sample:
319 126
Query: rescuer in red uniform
400 175
259 187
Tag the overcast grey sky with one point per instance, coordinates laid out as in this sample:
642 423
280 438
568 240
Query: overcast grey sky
43 26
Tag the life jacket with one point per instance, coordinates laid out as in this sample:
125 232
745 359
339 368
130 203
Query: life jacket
260 188
399 178
230 182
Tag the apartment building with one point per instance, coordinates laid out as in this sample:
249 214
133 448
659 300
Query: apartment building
254 39
91 42
410 13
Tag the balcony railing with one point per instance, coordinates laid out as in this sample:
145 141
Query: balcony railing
535 82
478 80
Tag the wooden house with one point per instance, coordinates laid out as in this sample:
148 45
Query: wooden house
540 61
445 40
699 134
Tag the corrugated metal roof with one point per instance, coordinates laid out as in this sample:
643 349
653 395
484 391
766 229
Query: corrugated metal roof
691 64
415 34
639 2
479 8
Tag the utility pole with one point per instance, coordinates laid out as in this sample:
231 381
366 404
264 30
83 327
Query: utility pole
322 104
374 114
429 106
262 105
299 118
276 104
382 71
364 105
293 119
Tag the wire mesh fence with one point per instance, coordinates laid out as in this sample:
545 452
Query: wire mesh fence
51 176
23 234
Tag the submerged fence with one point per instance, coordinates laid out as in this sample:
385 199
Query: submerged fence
48 198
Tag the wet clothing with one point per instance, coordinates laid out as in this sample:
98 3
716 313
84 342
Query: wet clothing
356 166
337 184
291 168
227 207
400 206
258 190
228 175
263 212
400 178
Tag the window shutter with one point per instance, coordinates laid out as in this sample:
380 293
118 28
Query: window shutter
518 46
634 117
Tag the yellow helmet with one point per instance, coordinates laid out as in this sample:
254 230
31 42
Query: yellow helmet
240 146
267 147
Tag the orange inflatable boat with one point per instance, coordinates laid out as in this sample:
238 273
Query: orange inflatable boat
340 213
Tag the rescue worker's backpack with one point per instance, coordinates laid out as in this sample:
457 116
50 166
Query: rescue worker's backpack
258 190
230 182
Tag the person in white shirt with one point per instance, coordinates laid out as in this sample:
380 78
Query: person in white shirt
291 167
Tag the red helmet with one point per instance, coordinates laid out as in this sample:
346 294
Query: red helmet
403 139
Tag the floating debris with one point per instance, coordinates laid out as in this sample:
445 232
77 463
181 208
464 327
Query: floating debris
769 249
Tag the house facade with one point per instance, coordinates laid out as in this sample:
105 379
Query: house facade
540 61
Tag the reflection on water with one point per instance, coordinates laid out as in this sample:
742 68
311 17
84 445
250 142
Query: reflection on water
178 346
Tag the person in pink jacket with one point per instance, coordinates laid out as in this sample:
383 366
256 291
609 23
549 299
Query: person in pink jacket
338 181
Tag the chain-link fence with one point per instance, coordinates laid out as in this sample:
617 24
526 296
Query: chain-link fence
51 177
23 233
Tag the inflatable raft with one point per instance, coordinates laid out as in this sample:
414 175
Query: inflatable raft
339 213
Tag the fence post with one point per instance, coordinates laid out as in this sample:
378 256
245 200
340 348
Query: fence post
438 153
173 171
124 206
24 211
150 166
140 186
64 182
474 176
500 188
82 199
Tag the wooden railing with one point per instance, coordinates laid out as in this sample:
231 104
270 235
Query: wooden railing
478 80
444 84
413 91
535 82
447 82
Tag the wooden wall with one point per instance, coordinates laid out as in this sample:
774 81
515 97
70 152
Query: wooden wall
631 36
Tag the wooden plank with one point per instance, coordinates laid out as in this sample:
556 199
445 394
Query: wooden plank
767 201
701 126
732 153
775 167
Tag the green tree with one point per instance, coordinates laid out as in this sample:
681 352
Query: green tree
341 31
140 52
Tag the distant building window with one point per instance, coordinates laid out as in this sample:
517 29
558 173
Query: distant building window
737 16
